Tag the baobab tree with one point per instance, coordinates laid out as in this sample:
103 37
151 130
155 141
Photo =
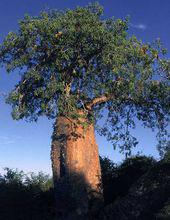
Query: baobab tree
87 73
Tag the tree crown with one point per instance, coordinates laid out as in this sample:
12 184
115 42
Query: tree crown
75 59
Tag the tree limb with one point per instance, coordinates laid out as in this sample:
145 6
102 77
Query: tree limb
96 101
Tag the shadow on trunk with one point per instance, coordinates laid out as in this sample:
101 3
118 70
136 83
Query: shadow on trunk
76 168
75 198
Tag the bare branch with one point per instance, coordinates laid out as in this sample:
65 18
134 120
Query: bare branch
97 100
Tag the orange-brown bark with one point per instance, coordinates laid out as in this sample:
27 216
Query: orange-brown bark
97 100
75 162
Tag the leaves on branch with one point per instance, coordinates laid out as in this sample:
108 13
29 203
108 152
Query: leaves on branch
75 59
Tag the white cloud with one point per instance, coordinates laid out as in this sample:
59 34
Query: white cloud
139 26
5 140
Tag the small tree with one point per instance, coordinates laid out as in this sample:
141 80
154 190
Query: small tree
77 67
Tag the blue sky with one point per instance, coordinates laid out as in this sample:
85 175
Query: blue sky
27 145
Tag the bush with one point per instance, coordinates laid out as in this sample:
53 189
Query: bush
31 197
118 179
26 196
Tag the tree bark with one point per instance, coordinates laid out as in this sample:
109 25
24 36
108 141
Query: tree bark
76 168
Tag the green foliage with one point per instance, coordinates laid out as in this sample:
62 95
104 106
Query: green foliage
40 180
26 196
13 176
117 179
67 59
30 196
164 151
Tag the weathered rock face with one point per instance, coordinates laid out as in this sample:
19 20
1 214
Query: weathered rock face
76 167
164 212
145 197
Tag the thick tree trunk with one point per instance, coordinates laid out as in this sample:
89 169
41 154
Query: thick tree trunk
76 168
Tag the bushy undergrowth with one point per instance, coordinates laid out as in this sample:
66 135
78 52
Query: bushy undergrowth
26 197
31 196
117 179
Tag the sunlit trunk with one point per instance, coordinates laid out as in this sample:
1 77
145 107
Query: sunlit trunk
76 168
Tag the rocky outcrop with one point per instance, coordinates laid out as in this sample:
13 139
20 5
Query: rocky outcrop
145 198
164 212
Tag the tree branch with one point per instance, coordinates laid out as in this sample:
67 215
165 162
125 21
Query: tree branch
96 101
102 99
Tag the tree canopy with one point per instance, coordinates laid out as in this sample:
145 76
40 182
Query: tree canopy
78 60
